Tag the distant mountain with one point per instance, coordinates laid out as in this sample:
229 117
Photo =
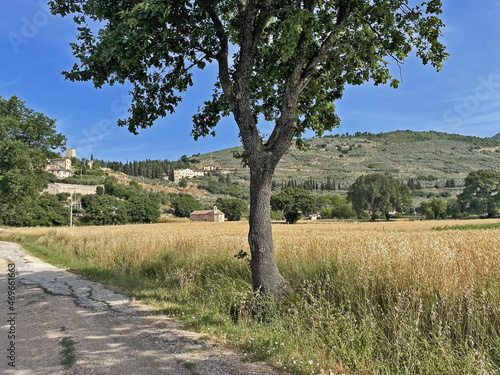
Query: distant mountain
404 154
496 136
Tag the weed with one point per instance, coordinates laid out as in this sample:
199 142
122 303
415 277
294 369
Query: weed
68 353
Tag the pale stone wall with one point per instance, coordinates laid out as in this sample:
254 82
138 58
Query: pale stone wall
57 188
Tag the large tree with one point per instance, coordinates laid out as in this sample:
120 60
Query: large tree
27 140
233 208
281 61
379 195
481 193
294 203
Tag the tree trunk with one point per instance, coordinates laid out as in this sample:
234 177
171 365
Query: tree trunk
265 274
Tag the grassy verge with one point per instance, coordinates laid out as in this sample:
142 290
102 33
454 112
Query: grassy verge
468 227
340 317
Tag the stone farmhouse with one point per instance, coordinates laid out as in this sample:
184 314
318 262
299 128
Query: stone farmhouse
207 215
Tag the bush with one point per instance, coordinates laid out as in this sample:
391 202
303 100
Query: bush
233 208
44 211
184 204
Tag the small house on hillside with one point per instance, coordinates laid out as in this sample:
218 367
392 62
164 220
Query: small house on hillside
207 215
59 172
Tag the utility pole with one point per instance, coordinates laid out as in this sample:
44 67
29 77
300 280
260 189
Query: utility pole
71 212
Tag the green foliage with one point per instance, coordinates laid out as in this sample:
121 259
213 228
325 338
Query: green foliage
184 204
435 209
469 227
68 353
426 178
27 140
183 183
105 210
377 193
100 190
83 180
352 42
294 203
414 184
233 208
45 210
337 208
453 209
121 204
171 174
482 193
222 187
142 209
114 188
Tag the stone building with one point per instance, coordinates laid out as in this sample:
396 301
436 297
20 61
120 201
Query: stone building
61 167
186 173
59 172
62 163
207 215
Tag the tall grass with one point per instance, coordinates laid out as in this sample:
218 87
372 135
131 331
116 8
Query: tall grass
368 298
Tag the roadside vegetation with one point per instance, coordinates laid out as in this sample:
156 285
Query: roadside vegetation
383 298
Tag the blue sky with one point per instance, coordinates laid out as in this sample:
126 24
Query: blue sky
463 98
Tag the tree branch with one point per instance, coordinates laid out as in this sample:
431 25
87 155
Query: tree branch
223 55
342 16
399 62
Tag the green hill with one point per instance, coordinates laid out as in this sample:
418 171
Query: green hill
434 157
496 136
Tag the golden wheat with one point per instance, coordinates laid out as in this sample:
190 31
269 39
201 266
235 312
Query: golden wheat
406 254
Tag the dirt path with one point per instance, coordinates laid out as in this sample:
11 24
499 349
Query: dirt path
99 331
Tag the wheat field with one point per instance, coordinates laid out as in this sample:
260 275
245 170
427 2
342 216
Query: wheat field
420 301
405 252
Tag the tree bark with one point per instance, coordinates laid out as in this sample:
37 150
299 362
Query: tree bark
265 274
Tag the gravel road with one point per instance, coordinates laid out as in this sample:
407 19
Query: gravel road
105 332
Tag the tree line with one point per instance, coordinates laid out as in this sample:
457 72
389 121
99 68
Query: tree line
310 184
378 196
149 168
